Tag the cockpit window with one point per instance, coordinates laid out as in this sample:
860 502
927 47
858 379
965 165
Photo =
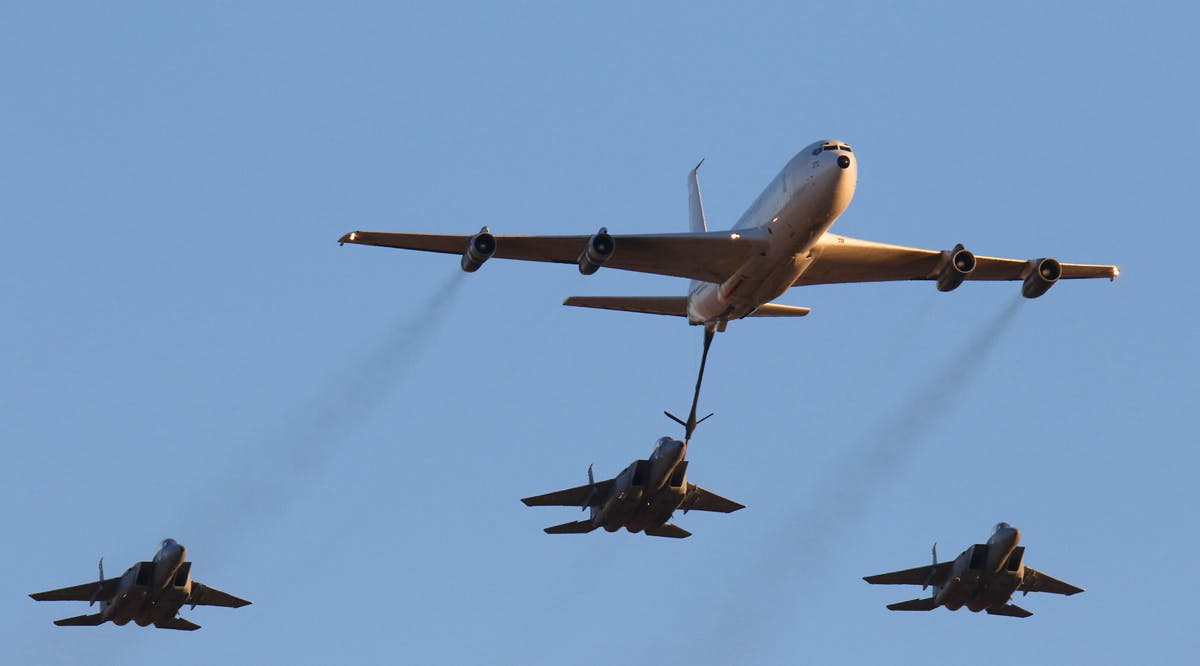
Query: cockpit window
1000 526
847 149
829 148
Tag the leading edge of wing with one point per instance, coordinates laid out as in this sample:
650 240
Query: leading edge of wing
841 259
588 495
203 595
709 256
929 574
93 591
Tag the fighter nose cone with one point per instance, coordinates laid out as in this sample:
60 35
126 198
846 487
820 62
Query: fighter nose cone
844 161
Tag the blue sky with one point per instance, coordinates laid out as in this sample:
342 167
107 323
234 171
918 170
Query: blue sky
342 434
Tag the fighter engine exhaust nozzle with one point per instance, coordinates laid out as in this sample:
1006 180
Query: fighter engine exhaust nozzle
599 248
1043 276
960 264
480 248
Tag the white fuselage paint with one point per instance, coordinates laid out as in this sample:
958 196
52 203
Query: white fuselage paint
792 213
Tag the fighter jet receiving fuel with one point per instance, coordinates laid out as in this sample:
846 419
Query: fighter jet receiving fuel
983 577
148 593
644 496
781 241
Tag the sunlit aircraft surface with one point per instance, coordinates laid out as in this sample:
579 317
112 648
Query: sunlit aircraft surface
983 577
781 241
643 497
148 593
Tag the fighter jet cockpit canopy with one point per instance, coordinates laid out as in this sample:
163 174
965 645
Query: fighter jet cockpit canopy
1001 526
167 543
662 445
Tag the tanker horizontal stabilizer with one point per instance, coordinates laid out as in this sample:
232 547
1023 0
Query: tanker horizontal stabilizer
81 621
577 527
1010 611
675 306
926 604
670 531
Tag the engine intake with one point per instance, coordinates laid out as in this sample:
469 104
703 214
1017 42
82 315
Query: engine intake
480 248
960 264
599 248
1044 273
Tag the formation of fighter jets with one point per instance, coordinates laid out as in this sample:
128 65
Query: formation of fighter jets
782 240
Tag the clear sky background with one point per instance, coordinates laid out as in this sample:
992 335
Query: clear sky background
342 435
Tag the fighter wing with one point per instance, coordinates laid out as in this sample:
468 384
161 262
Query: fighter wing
699 499
930 574
1036 581
709 256
845 259
589 495
203 595
100 590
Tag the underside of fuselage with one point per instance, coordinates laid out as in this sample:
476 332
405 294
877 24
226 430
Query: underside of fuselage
793 212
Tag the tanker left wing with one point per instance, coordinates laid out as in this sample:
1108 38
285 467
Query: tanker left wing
841 259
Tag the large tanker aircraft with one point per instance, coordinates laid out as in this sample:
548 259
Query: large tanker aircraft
781 241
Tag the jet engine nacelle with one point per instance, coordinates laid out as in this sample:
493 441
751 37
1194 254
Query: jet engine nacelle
599 248
1043 276
480 248
961 263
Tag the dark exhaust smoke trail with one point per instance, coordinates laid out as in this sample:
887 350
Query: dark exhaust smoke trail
282 464
854 481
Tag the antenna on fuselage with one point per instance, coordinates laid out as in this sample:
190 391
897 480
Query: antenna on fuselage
689 426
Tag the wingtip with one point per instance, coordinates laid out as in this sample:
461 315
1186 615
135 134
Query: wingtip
348 238
697 167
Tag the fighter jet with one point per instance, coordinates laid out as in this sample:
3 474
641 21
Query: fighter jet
781 241
148 593
644 496
983 577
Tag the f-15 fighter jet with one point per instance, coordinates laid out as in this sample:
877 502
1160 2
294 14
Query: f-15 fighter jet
644 496
148 593
983 577
782 240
